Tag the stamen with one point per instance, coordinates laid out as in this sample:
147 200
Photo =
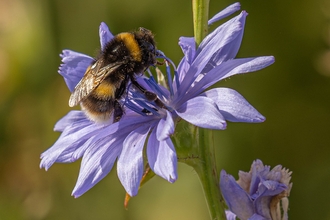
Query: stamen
138 102
176 78
155 88
131 105
160 54
144 106
169 77
138 99
150 75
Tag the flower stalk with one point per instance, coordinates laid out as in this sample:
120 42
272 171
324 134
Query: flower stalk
200 17
204 162
195 148
208 174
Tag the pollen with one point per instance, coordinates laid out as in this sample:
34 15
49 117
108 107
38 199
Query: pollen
131 44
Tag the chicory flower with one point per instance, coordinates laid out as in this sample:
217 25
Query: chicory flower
259 194
101 145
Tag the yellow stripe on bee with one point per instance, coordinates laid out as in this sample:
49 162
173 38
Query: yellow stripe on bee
131 44
105 90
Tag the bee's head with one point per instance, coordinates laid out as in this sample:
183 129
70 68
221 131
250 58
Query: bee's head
147 43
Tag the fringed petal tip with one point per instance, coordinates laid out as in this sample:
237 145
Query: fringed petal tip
104 27
75 195
46 162
43 165
172 179
244 13
223 174
73 67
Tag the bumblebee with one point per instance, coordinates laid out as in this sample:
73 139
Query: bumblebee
105 80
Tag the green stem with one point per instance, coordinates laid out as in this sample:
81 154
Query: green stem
208 175
195 148
200 17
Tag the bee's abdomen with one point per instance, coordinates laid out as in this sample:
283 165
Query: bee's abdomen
99 105
105 91
97 110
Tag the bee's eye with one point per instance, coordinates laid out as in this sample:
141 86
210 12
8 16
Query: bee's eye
149 47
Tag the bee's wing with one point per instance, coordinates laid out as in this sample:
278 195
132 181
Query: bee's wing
94 75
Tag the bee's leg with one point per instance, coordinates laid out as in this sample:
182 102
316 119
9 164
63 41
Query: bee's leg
122 87
150 96
118 111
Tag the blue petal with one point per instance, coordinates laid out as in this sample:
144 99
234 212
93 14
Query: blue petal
50 156
105 35
257 168
71 139
79 151
202 111
266 192
225 12
74 153
262 206
213 44
108 132
188 46
162 157
227 69
271 188
236 198
127 123
183 68
71 117
233 106
257 217
130 161
230 215
97 162
165 127
216 43
230 49
73 67
248 65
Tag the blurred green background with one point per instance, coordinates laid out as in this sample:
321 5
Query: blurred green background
293 94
